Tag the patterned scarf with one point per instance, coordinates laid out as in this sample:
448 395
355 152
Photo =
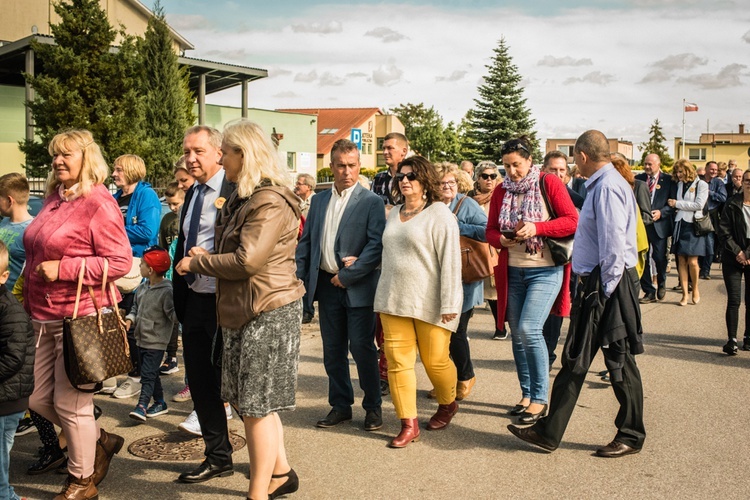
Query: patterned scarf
530 209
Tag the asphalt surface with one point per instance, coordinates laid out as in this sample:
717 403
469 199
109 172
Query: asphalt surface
696 413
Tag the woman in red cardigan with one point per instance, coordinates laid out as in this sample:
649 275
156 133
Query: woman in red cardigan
528 282
79 219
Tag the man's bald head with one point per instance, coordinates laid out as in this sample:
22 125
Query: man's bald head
651 164
591 152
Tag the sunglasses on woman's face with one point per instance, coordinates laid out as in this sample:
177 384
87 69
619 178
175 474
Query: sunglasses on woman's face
410 176
488 176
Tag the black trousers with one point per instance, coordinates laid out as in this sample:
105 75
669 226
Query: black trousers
551 333
203 347
733 274
567 388
459 348
173 340
658 252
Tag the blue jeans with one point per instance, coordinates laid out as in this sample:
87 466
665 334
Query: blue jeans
150 361
531 293
8 425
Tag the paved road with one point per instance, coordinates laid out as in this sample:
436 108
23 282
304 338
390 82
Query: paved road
696 412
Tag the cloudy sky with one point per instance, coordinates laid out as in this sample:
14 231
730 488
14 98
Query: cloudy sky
613 65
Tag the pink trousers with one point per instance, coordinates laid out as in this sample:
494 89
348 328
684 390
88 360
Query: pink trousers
59 402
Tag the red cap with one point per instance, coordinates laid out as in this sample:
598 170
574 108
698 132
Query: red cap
157 259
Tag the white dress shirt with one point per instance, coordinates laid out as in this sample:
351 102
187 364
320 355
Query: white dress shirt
335 211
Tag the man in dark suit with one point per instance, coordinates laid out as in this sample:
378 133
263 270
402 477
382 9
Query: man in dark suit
717 196
338 258
195 300
662 187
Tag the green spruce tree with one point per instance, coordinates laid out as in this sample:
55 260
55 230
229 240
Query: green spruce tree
168 98
501 113
85 85
655 145
468 147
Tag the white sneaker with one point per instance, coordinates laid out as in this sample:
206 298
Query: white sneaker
191 425
228 409
183 395
131 387
109 386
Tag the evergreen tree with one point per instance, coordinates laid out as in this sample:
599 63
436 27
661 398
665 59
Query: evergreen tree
501 113
451 144
423 127
85 85
655 145
468 146
168 99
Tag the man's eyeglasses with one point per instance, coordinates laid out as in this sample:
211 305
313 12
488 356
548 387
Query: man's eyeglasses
512 146
488 176
410 176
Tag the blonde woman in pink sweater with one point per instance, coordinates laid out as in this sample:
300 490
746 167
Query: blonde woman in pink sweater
79 220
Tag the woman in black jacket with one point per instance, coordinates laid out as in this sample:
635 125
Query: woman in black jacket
735 261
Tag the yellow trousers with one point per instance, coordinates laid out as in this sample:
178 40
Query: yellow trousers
402 338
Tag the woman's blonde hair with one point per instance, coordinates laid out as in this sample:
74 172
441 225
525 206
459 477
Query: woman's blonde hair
94 169
688 168
260 159
463 182
133 167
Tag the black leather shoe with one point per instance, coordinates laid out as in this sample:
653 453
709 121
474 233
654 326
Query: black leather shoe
616 449
49 460
661 292
206 471
373 420
307 318
649 298
517 410
334 417
527 418
529 435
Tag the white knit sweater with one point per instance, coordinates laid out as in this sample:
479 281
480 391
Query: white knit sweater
421 269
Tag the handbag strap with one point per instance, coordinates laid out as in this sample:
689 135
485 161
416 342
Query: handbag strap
543 190
458 205
80 286
105 271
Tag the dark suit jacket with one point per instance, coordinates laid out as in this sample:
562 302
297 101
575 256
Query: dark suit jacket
359 234
643 198
665 189
577 198
179 284
579 186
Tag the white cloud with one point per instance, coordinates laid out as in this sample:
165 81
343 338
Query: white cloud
387 35
657 76
287 94
357 74
322 28
729 76
554 62
387 75
306 77
328 79
274 72
234 54
188 22
685 61
595 77
453 77
746 37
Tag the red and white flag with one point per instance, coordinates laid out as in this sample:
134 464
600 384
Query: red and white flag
691 106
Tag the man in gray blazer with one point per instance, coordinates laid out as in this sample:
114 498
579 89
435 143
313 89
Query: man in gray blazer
338 258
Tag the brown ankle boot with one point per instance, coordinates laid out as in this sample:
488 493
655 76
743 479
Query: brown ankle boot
409 433
463 388
106 447
78 489
442 417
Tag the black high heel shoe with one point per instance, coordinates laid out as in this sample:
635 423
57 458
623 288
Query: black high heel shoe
518 410
290 486
530 418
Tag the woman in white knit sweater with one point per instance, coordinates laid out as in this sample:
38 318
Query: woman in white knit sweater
419 295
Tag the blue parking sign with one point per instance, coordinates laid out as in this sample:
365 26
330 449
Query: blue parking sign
356 137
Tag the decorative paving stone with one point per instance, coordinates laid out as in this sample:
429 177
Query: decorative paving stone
176 446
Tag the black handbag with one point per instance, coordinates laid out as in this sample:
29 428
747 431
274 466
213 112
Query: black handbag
561 249
703 225
95 347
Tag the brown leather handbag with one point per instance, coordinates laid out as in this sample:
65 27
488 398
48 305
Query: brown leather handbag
95 347
478 258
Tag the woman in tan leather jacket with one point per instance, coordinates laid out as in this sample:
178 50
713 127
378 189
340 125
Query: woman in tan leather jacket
258 299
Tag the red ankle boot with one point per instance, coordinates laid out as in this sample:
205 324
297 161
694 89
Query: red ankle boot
442 416
409 433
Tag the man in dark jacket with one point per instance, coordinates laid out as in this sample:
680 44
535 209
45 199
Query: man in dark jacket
16 370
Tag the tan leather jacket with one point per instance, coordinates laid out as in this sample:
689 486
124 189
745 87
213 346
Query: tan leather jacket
256 238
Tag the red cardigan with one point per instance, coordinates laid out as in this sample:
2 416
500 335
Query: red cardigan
90 226
563 225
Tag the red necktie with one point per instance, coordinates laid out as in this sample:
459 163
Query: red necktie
651 183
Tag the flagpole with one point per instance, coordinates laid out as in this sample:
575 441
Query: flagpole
682 152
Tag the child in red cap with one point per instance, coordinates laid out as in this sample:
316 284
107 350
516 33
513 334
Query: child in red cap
154 317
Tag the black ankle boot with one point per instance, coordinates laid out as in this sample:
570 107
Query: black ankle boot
51 458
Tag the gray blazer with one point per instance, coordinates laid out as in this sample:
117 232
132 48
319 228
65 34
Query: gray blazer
360 234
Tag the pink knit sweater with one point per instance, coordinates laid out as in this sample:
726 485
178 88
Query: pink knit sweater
88 227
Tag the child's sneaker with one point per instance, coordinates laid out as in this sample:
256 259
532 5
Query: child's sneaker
156 409
730 347
169 366
25 425
139 413
191 425
182 396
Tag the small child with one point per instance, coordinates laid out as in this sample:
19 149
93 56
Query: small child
14 197
16 370
153 315
168 232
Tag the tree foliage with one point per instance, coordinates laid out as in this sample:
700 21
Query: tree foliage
469 149
423 127
167 96
655 145
500 113
85 85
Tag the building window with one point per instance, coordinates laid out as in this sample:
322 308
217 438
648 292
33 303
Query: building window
291 160
697 154
380 143
567 150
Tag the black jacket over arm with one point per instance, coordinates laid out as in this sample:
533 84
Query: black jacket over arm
17 351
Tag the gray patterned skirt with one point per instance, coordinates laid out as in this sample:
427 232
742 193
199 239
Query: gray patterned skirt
259 374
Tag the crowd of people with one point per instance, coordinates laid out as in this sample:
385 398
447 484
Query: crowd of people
239 261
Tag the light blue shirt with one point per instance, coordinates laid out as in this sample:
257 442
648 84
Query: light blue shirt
205 240
11 233
606 234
